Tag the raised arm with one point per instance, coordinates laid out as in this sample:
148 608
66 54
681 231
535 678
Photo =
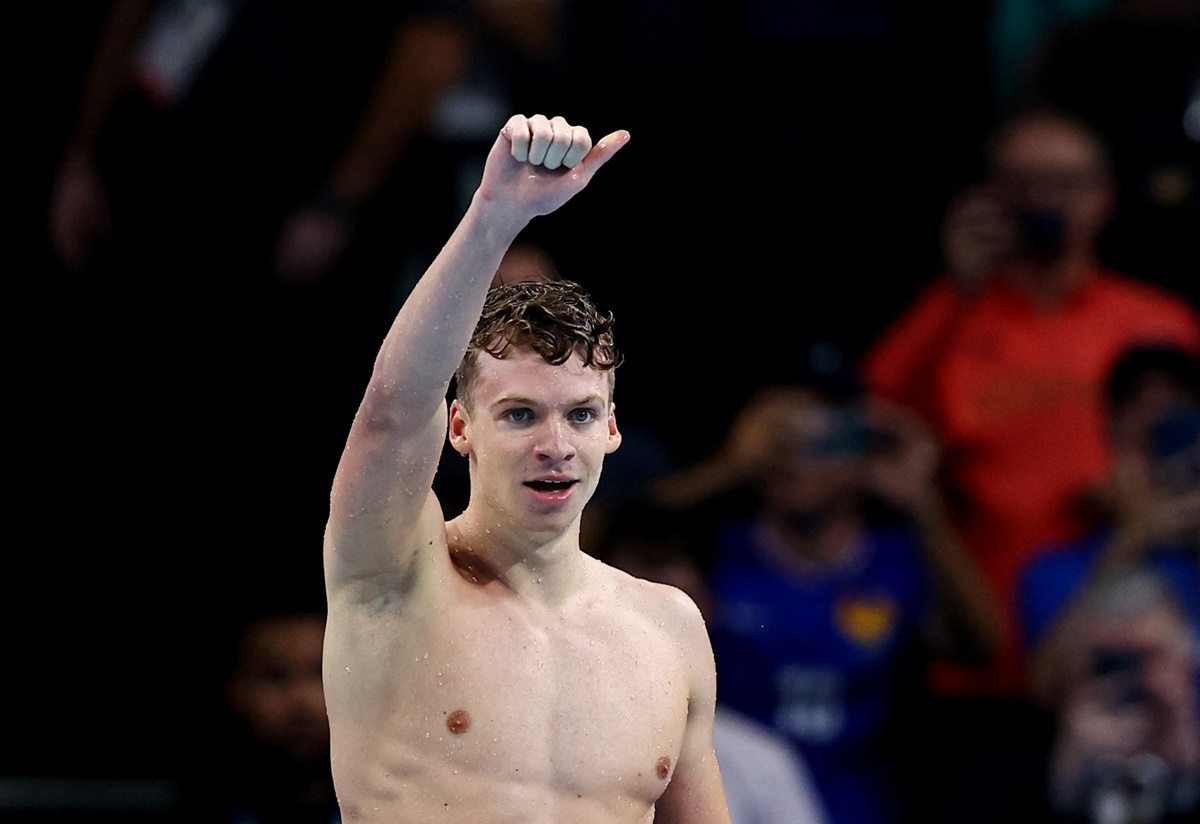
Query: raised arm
382 510
427 55
79 207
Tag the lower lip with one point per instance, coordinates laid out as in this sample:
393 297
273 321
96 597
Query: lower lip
554 496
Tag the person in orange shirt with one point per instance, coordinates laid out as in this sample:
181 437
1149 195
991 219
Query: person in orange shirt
1005 354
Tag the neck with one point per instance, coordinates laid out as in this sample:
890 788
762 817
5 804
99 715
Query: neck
540 567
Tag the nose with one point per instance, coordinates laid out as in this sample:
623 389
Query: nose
554 442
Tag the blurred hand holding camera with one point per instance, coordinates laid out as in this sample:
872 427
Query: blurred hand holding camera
902 467
978 233
1149 513
763 429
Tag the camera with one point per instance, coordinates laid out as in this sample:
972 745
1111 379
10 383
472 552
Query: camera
1175 444
1127 665
1042 233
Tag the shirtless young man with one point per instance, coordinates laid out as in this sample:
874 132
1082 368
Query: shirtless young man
488 670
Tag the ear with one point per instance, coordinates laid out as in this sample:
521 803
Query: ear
459 420
614 434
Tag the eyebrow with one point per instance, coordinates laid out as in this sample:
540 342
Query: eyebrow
592 398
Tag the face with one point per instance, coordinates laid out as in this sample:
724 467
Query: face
820 462
536 436
1159 427
1047 166
1157 640
276 688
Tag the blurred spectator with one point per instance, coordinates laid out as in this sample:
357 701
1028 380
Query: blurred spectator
1133 72
219 205
1153 509
766 781
834 573
1127 747
1005 355
264 759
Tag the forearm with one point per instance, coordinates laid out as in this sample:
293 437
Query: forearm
108 73
427 339
1045 661
966 602
427 56
699 483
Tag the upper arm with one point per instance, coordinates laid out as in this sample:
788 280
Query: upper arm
382 508
696 793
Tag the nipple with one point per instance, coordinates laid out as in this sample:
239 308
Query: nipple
663 767
459 722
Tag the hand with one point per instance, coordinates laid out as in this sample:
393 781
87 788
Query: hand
1147 514
311 241
763 430
537 164
977 235
904 474
79 212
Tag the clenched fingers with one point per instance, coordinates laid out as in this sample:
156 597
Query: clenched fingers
548 142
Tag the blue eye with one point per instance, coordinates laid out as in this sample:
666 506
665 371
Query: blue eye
520 415
582 415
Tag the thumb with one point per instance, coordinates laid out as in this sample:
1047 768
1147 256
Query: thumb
604 150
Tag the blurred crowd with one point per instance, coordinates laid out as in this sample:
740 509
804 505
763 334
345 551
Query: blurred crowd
911 405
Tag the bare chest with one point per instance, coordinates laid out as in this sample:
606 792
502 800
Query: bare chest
591 703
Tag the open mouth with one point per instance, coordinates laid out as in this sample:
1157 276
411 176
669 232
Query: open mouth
550 486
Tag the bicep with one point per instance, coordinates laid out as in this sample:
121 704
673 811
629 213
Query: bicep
696 794
381 504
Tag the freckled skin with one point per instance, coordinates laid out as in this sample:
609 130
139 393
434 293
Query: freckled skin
458 722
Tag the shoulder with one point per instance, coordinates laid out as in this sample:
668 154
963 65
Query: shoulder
664 607
651 598
1118 288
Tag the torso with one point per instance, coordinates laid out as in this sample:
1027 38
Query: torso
464 702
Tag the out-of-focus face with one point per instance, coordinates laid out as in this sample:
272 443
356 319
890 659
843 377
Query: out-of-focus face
536 435
819 464
1159 427
1046 166
276 688
1134 688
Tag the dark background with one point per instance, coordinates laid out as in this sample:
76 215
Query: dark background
784 184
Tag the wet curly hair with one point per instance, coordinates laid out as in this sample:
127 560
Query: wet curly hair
554 318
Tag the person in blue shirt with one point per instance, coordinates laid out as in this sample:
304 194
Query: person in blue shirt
1150 510
833 571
